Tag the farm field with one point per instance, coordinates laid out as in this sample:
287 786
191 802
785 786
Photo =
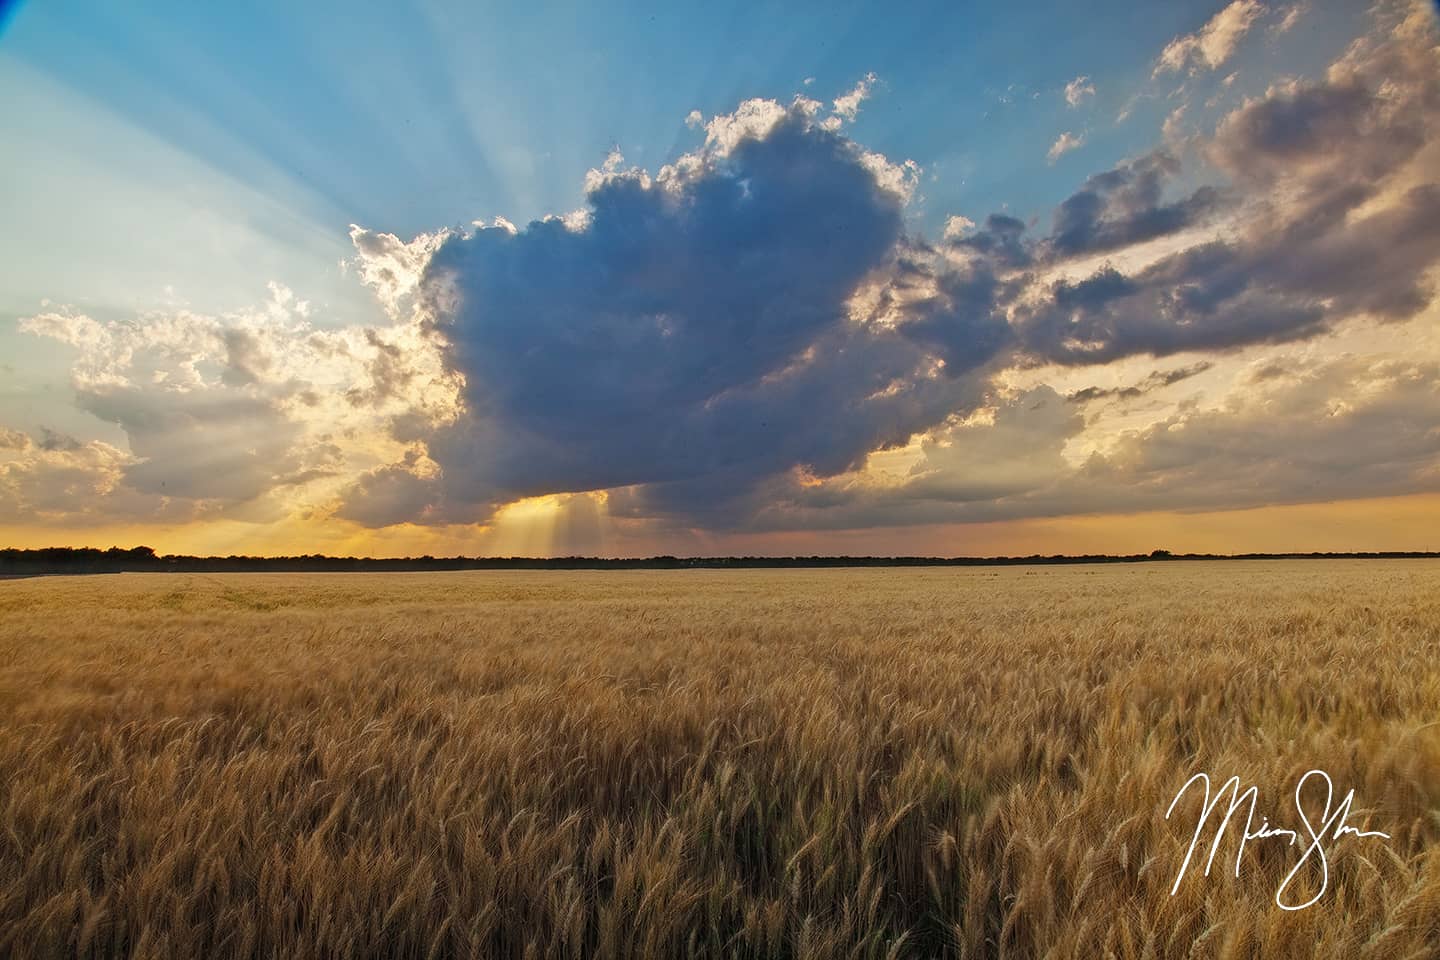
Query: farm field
891 763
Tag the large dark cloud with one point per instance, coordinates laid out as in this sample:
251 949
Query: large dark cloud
695 335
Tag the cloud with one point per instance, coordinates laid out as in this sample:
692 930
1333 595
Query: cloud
1156 380
13 440
1172 129
1063 144
1340 429
847 106
1125 206
61 481
755 316
390 267
1010 454
1077 90
234 413
957 226
1321 229
693 338
1212 44
1289 18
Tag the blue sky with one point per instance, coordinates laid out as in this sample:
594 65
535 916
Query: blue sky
407 118
172 160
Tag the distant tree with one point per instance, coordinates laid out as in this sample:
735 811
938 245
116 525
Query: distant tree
1161 555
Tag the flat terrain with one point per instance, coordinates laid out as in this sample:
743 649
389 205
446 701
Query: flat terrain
968 762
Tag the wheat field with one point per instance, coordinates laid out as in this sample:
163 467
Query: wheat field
898 763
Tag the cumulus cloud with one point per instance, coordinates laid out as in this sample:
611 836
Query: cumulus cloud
1213 44
1077 90
1063 144
694 338
223 412
757 312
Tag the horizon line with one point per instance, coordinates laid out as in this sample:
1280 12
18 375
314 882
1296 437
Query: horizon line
142 559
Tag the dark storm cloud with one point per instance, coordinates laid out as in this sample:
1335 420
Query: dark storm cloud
693 336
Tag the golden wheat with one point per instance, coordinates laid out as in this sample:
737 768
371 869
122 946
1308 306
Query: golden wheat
873 763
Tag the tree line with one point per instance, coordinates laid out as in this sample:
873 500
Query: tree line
75 560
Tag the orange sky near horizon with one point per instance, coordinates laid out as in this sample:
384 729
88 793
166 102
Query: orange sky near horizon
1409 523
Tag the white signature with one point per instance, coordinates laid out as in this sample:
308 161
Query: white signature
1332 826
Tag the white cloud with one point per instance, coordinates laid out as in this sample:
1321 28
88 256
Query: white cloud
957 226
848 106
1289 18
900 179
1077 90
243 411
389 266
694 119
1212 44
612 169
753 118
1171 130
1063 144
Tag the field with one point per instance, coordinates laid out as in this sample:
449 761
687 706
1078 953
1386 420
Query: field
873 763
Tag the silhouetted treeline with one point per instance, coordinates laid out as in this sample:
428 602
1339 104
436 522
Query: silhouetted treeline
145 560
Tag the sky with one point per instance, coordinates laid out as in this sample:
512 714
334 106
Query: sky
952 279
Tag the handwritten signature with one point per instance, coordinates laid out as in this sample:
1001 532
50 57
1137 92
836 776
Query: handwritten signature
1332 826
